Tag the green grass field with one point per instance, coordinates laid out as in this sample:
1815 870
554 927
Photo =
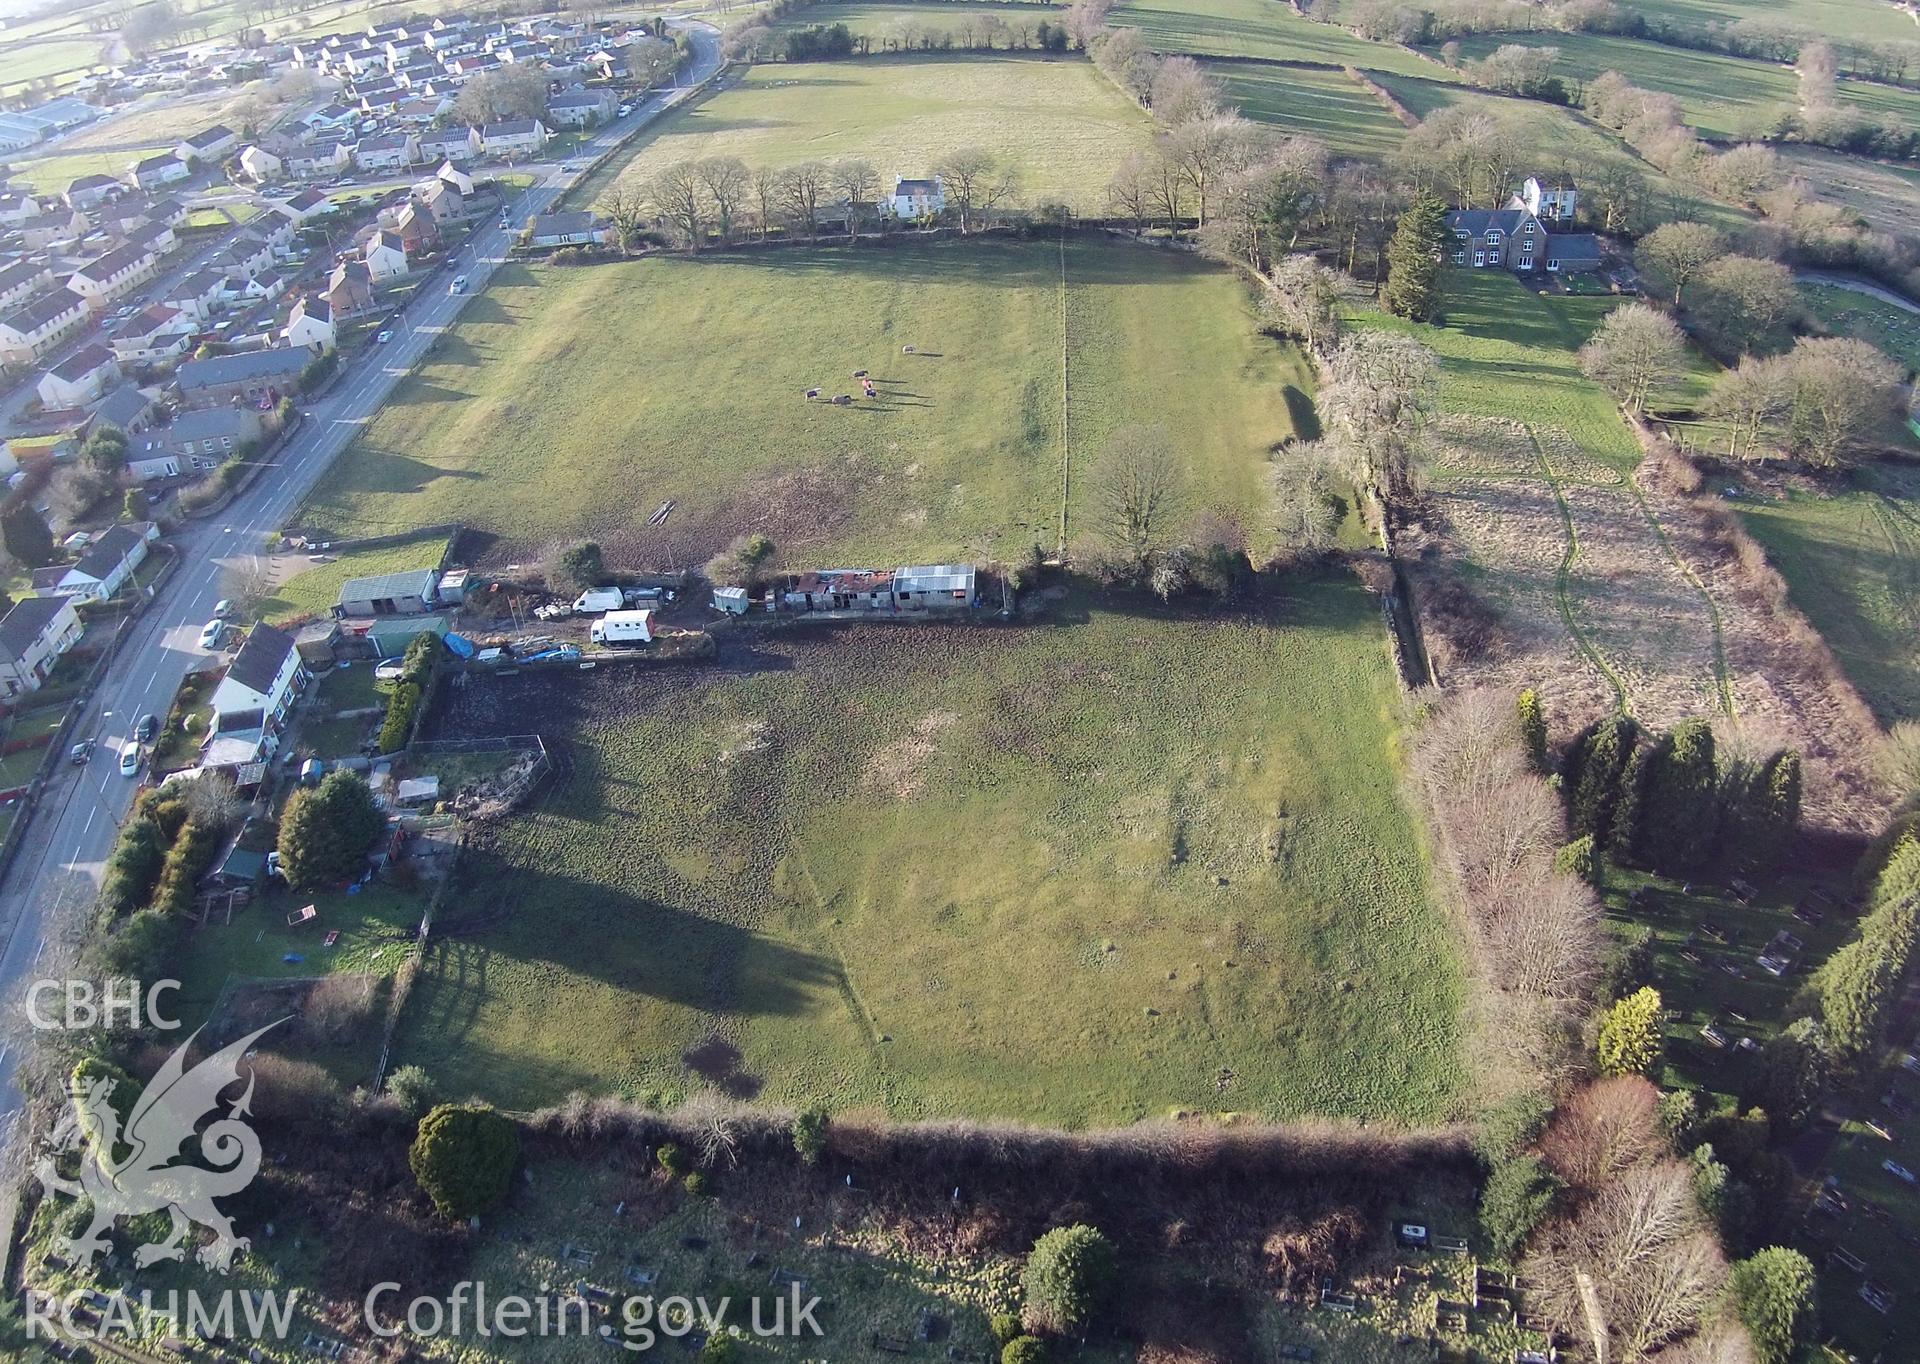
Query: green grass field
1042 871
1059 120
1262 28
314 590
156 122
52 174
1720 96
1321 104
23 63
1850 561
1850 18
1848 312
884 23
571 402
1560 139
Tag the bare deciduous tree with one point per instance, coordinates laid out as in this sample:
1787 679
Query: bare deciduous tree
801 189
1634 349
1381 387
976 182
726 180
856 182
679 196
1134 491
629 208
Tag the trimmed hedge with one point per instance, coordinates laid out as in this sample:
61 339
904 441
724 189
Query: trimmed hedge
190 858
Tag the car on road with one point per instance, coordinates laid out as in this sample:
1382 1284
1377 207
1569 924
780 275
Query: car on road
459 285
80 753
505 221
148 727
211 632
130 760
1899 1171
386 335
569 168
223 608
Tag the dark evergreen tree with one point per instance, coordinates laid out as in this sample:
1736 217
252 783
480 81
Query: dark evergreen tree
1596 765
1679 816
1533 728
25 534
1413 259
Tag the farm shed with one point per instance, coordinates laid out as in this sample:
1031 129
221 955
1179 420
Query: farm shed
392 636
410 593
840 589
314 642
934 587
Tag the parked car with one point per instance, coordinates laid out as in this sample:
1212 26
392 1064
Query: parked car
210 633
390 670
130 760
273 865
148 727
79 754
76 541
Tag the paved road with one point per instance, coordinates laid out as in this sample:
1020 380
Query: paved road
56 875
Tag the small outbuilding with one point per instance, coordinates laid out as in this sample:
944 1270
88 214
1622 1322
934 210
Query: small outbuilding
389 594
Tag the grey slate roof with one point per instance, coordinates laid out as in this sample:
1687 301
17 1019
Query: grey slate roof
414 582
282 363
1573 246
23 624
260 658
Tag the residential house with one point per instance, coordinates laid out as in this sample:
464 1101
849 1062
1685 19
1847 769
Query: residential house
582 108
33 636
338 117
416 229
40 324
107 277
385 256
80 378
387 151
198 295
349 289
264 679
914 200
194 442
157 333
514 137
22 280
159 238
380 104
443 203
105 567
90 190
451 144
259 376
209 144
261 165
417 113
310 325
268 284
151 172
456 177
244 257
126 409
54 230
1552 201
17 207
1514 239
578 228
273 229
306 206
323 156
409 593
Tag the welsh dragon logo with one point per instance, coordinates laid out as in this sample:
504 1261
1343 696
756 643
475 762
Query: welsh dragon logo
131 1172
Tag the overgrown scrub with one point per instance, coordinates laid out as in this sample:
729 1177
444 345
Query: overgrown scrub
1532 931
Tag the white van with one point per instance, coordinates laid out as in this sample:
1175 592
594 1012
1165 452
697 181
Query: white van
597 599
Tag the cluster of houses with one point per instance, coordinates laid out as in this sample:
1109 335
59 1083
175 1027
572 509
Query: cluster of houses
39 629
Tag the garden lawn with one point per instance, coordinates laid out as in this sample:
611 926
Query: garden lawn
1109 863
1852 563
1059 120
1559 140
1328 105
314 590
575 402
1265 29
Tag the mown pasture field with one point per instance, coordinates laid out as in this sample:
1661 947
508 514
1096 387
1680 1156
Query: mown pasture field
1560 140
52 174
887 26
1852 564
1062 123
577 401
1327 105
1102 864
1267 29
